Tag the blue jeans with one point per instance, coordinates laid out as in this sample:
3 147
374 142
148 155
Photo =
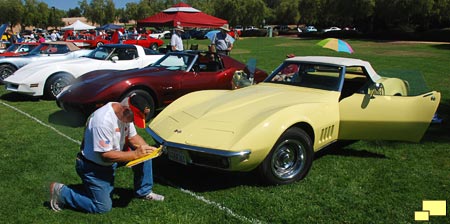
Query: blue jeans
98 182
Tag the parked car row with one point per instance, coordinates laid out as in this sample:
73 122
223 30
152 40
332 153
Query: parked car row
47 78
273 126
49 51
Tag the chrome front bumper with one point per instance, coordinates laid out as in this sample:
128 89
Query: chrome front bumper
200 156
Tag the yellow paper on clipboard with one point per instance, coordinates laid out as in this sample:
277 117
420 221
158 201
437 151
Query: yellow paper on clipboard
157 152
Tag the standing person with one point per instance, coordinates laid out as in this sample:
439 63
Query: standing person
11 37
41 38
222 41
53 36
108 133
176 42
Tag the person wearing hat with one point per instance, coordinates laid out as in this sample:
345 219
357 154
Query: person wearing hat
222 41
288 73
176 42
109 132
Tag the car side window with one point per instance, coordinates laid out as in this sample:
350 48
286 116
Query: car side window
355 81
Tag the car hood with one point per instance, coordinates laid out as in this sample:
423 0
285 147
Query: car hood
9 54
88 86
113 76
45 68
220 119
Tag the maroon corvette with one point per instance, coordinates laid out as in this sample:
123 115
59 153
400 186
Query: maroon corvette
174 75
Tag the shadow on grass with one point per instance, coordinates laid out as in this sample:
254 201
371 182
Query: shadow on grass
442 46
343 149
16 97
200 179
72 119
440 132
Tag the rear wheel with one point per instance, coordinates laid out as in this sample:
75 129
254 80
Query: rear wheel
6 71
99 44
290 158
55 84
148 97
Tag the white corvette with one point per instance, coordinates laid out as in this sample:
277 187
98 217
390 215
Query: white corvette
47 79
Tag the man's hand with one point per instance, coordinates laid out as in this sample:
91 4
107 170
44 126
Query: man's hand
143 150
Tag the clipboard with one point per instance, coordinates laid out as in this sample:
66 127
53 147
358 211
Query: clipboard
157 152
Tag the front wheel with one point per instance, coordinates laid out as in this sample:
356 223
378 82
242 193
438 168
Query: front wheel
154 47
55 84
6 71
99 44
150 102
290 158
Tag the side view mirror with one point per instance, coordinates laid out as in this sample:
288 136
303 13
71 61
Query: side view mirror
377 89
115 58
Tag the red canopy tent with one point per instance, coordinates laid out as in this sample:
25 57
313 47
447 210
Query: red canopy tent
184 15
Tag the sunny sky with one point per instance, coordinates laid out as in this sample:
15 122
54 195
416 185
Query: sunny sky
70 4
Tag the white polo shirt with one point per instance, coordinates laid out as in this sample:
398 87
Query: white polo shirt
105 132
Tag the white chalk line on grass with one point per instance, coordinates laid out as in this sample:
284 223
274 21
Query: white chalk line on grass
200 198
42 123
217 205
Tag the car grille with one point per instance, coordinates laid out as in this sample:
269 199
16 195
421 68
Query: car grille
203 159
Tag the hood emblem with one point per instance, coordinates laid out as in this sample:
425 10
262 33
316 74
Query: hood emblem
178 131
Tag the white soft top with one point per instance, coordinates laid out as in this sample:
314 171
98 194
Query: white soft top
338 61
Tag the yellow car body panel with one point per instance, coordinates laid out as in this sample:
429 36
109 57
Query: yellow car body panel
387 117
227 127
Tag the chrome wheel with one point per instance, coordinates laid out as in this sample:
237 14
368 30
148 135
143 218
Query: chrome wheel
6 71
59 84
56 83
288 159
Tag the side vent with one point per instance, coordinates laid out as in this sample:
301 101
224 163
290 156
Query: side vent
326 134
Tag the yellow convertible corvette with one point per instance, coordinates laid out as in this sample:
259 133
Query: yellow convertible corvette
276 126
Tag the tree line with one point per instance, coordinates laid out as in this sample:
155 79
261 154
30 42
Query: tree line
366 15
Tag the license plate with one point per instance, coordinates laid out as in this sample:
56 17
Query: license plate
178 156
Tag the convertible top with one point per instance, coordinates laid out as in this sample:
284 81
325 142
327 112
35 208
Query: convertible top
70 45
338 61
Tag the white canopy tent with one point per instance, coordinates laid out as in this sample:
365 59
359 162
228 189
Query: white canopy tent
78 25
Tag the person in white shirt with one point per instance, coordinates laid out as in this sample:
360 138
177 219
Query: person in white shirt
176 42
53 36
109 133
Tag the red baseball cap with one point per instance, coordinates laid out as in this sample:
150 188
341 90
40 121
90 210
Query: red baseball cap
137 104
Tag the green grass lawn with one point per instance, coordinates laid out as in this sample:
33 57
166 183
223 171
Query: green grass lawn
366 182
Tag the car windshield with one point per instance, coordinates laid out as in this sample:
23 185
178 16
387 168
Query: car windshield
12 48
46 48
315 76
25 48
176 61
108 53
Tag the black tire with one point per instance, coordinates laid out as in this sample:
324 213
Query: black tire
56 83
99 44
290 158
6 71
150 101
154 47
